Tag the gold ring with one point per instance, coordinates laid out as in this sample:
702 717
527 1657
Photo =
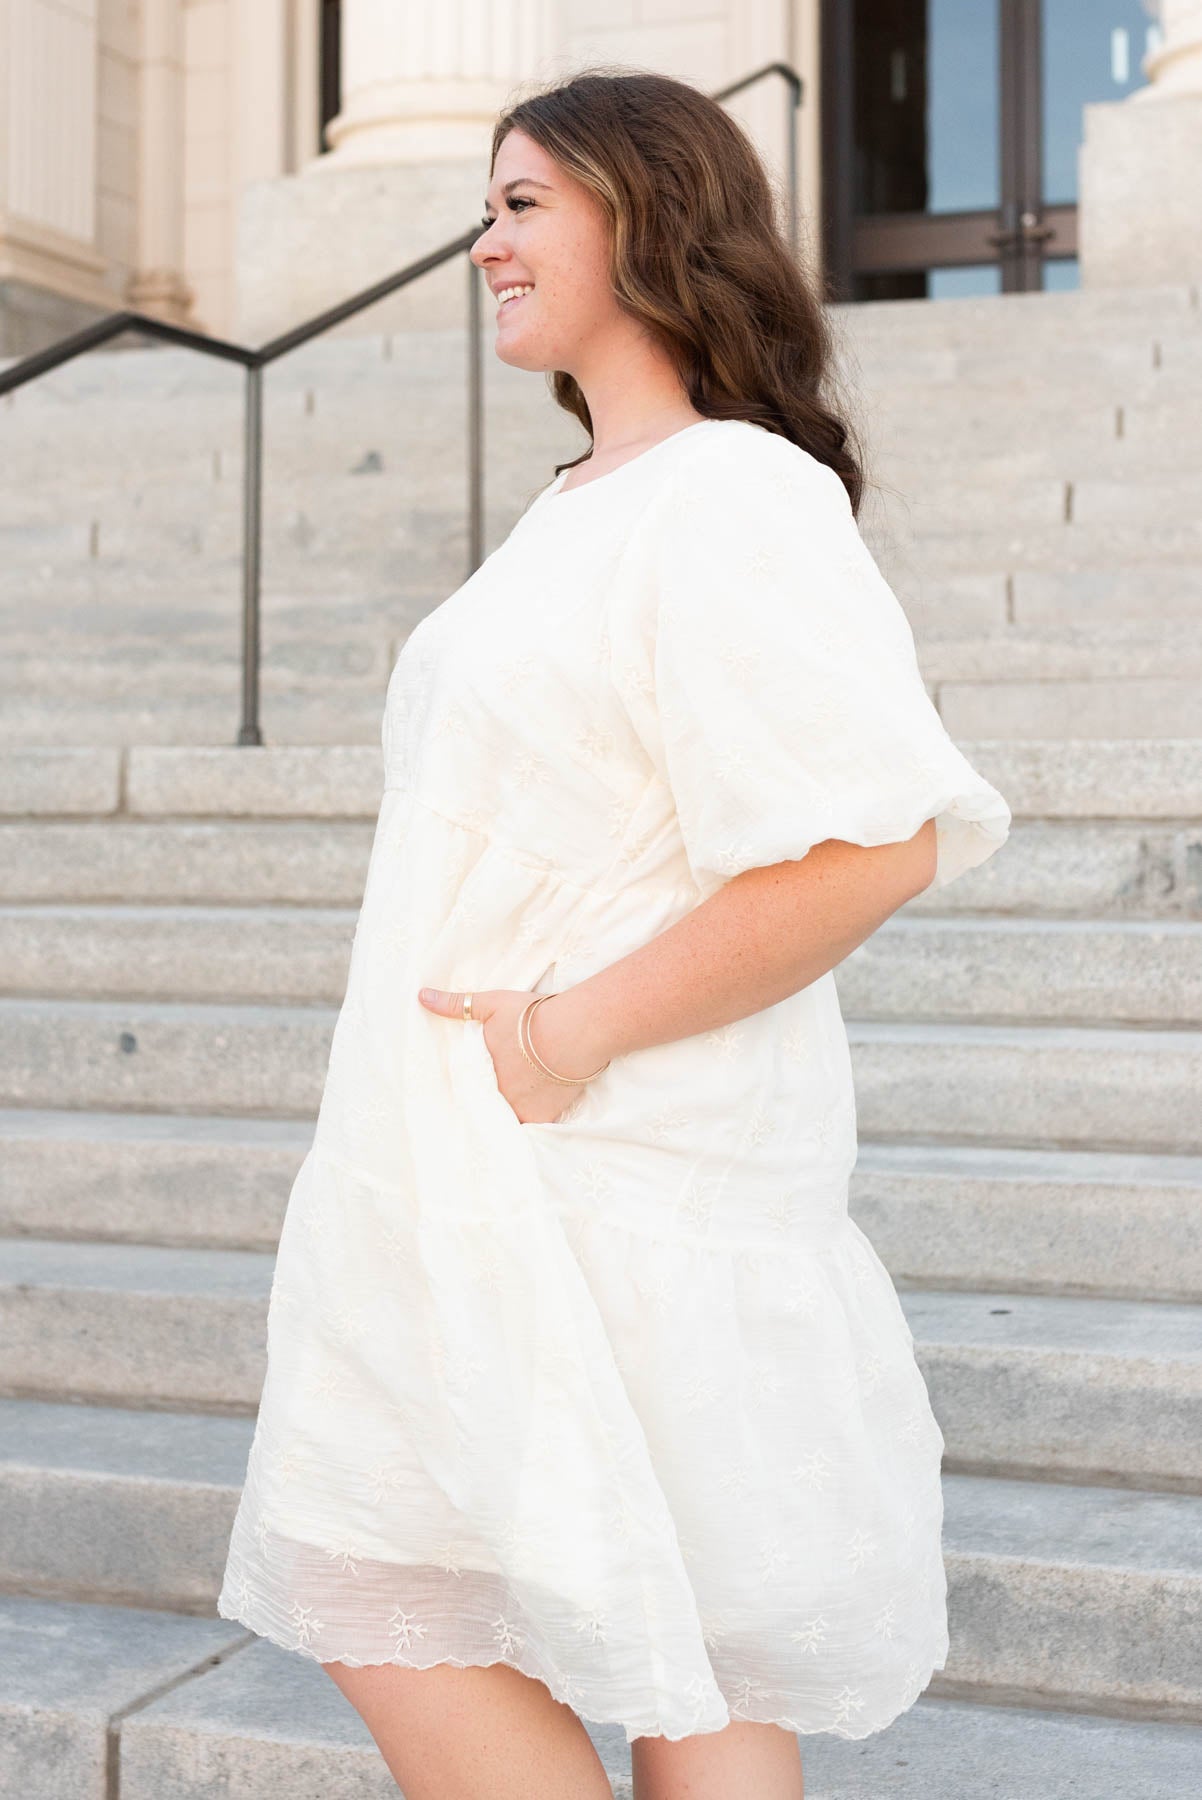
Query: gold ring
467 1006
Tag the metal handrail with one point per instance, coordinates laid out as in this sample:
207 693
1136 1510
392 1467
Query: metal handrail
255 361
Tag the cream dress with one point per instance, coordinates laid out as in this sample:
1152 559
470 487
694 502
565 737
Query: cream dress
625 1400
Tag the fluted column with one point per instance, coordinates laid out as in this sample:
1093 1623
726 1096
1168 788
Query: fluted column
158 285
422 86
51 272
1140 210
423 82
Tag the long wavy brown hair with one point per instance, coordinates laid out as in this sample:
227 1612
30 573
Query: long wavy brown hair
697 254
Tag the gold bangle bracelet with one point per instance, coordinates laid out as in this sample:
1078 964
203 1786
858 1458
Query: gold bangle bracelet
526 1042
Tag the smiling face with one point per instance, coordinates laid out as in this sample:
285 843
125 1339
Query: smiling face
548 230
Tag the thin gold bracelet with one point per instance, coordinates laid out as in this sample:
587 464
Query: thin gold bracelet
532 1056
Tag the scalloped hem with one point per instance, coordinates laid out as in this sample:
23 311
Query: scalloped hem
632 1729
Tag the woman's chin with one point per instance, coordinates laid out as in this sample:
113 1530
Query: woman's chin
518 358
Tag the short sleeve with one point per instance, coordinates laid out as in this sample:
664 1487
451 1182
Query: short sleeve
781 698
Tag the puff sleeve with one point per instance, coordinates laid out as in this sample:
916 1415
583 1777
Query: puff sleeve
780 696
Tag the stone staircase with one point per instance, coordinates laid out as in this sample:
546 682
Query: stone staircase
175 923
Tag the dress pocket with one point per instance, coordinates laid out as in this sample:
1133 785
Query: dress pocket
482 1053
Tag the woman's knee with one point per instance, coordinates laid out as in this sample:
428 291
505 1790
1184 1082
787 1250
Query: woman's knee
448 1733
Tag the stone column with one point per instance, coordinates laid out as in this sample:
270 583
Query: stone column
1175 66
158 286
421 90
423 83
51 273
1140 209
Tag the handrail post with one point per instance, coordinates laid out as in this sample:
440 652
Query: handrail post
475 425
252 521
792 121
255 361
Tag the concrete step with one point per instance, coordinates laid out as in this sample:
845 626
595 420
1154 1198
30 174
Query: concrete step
1070 1222
235 953
1017 712
1118 678
302 862
133 1324
148 1178
1043 1086
1036 323
1077 1595
188 1706
158 669
940 1215
1075 416
248 862
1062 971
153 588
150 1056
1105 708
960 1750
209 719
358 437
72 1679
1068 779
152 604
1108 828
107 658
422 374
907 554
1080 1388
958 506
1111 869
114 1504
360 431
1055 652
379 532
1085 596
1098 361
424 371
324 515
1056 1591
1122 443
1054 778
1134 310
320 512
1040 1086
161 371
316 509
1021 1383
149 781
200 622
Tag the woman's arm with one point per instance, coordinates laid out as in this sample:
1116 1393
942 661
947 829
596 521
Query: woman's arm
764 935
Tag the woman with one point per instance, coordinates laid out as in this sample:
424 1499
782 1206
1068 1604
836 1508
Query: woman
585 1397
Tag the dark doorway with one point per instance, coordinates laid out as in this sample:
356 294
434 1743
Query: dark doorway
329 66
950 135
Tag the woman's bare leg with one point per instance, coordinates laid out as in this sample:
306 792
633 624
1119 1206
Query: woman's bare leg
743 1758
473 1734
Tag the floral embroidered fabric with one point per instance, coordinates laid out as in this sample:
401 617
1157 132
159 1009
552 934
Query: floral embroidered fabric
626 1400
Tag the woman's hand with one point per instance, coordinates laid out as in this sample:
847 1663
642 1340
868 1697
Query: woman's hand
534 1097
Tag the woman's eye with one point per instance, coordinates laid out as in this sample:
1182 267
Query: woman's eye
513 203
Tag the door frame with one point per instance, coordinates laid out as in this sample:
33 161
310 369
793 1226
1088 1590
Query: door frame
1013 234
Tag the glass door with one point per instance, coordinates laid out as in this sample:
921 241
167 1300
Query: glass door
950 136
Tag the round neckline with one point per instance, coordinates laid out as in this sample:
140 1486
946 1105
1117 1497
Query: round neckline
556 490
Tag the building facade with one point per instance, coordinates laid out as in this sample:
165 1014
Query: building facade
237 164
